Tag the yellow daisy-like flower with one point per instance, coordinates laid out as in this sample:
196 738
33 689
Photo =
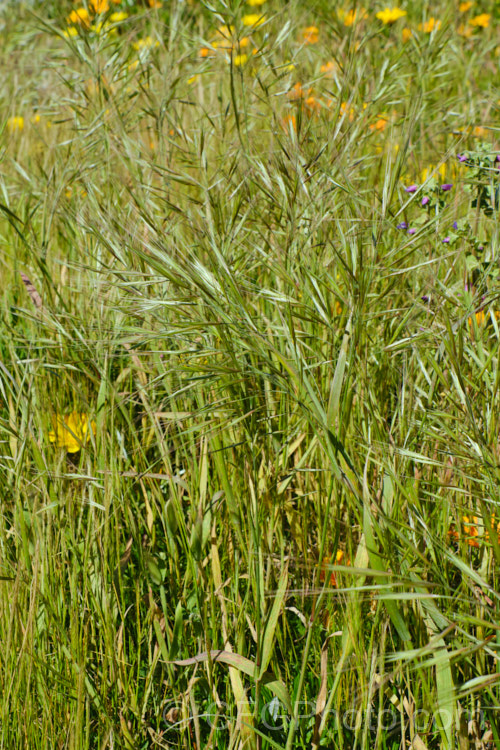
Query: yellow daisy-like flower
71 431
253 19
406 34
15 123
255 3
390 15
483 20
464 7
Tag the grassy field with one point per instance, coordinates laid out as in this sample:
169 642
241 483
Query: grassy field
249 375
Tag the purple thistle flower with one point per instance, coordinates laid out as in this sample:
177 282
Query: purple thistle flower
425 200
462 157
425 298
455 225
447 186
446 240
411 189
403 225
412 231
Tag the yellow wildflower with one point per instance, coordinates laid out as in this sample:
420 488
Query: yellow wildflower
15 123
119 16
346 110
352 16
464 7
255 3
482 20
464 30
480 318
71 31
224 37
79 15
253 19
72 431
427 172
390 15
406 34
147 43
430 25
240 60
154 3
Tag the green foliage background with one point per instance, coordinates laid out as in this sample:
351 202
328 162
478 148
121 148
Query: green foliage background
289 365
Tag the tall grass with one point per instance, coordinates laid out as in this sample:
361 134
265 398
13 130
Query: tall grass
280 530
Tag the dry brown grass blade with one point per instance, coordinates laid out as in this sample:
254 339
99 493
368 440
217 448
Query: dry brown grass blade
322 695
32 291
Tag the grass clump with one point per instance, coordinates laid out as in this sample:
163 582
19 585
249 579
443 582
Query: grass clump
249 375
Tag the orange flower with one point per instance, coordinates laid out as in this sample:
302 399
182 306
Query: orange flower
430 25
453 533
326 562
406 34
99 6
328 69
470 528
297 92
380 124
289 122
310 35
312 104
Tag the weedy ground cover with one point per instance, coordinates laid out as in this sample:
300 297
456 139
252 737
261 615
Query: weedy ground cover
249 373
